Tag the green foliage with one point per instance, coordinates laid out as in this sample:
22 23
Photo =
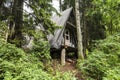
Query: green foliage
10 52
41 50
41 47
67 3
103 59
110 14
18 64
113 74
64 76
15 64
3 30
41 13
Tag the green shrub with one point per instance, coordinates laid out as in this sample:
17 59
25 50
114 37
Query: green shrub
64 76
93 66
15 64
112 74
3 30
102 59
10 52
41 49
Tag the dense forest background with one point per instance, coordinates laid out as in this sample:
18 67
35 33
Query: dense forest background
25 50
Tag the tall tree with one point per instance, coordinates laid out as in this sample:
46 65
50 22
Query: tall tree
16 23
79 32
19 22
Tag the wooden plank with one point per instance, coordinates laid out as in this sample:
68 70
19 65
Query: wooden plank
63 52
71 24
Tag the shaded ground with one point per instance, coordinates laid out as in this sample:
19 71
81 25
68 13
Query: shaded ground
68 67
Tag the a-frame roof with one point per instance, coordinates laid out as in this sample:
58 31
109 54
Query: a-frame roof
56 39
61 19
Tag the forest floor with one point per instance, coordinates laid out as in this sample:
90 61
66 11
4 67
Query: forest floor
70 66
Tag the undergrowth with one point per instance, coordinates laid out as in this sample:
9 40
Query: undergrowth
29 64
16 64
104 60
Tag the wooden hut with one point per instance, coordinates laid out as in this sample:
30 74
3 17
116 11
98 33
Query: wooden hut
65 38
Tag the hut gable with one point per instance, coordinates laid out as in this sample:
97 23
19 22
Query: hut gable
65 36
62 19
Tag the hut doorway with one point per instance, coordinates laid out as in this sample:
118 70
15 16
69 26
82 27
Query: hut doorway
67 37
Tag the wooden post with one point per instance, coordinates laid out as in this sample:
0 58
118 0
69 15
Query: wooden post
63 51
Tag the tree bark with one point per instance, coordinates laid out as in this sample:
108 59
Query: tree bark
60 3
85 39
16 24
1 2
79 32
85 30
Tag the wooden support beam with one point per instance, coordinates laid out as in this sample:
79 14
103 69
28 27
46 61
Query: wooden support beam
71 24
63 52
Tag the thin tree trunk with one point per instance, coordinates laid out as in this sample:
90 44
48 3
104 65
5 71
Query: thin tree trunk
79 32
12 22
85 39
1 2
60 3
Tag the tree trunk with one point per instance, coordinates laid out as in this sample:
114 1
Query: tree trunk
79 32
60 3
85 39
85 30
1 3
16 23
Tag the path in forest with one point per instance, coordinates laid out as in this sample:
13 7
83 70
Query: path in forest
70 66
